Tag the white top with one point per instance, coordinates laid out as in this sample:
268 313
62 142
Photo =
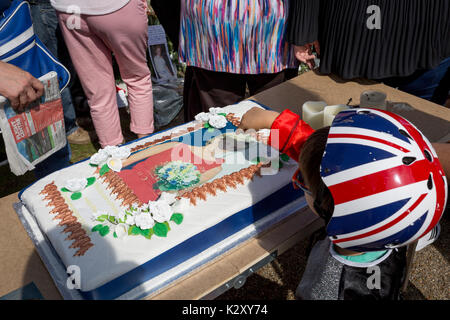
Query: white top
89 7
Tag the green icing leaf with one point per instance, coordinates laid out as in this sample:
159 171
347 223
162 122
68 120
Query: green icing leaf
65 190
177 218
97 228
102 218
222 114
93 165
160 229
147 233
167 225
207 125
104 231
284 157
90 181
115 235
104 169
75 196
112 219
135 231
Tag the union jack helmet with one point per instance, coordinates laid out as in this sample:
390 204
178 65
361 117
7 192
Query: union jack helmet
388 186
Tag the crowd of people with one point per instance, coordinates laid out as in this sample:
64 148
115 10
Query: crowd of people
235 48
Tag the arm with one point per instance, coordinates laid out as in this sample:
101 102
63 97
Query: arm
303 29
18 86
288 132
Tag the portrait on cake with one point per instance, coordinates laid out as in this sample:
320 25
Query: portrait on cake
179 166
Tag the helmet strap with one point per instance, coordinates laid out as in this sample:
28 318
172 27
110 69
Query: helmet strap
321 191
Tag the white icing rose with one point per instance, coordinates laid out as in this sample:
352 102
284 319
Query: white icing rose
120 153
160 210
214 111
144 220
76 184
181 205
202 116
168 197
100 157
121 230
110 149
115 164
130 220
218 121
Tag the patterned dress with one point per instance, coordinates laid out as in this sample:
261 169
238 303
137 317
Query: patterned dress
235 36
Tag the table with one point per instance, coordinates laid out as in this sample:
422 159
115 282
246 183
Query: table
20 263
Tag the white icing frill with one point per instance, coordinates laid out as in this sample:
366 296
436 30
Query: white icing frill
76 184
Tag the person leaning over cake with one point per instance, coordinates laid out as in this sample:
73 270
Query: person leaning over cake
229 45
402 43
358 241
93 31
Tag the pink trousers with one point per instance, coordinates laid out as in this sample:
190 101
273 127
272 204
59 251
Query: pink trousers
91 40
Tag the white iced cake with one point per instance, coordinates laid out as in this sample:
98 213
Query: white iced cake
132 213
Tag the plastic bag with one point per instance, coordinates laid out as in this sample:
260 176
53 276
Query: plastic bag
167 103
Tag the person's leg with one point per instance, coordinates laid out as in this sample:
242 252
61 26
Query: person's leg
260 82
427 84
93 62
125 32
205 89
45 24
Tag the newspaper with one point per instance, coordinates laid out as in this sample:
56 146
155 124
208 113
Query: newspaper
38 132
163 69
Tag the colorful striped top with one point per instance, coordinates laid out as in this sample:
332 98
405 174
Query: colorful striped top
235 36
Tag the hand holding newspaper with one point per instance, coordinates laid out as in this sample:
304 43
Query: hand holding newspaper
33 135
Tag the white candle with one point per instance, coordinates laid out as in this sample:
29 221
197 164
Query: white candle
373 99
312 113
330 112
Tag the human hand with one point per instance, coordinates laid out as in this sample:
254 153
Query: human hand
304 53
257 118
18 86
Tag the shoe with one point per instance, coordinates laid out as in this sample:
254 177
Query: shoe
429 238
79 136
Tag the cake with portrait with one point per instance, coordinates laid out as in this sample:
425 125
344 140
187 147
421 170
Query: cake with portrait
134 218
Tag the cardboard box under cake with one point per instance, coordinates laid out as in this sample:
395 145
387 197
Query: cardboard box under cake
243 249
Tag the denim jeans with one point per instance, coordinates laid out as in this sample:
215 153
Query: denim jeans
432 85
46 27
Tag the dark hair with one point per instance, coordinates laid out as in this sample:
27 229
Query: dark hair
309 164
